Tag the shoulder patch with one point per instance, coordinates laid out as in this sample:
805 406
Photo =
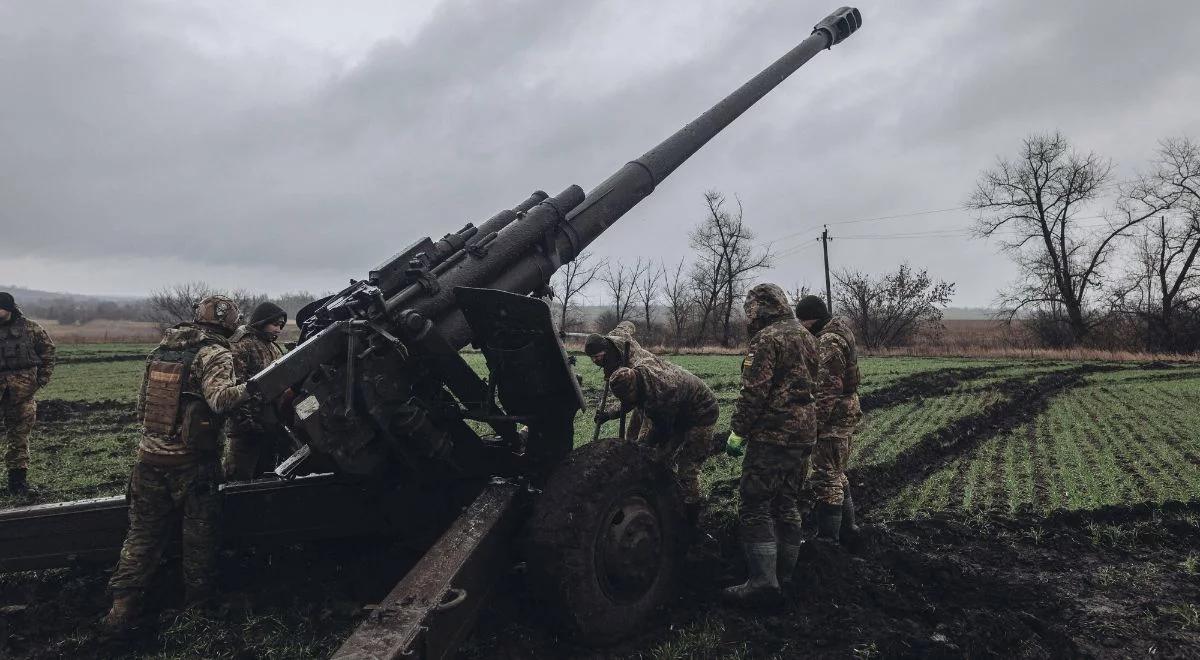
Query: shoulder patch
748 360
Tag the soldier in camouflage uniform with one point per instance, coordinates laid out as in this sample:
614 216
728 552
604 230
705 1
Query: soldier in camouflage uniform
255 441
189 386
677 410
840 414
626 330
26 364
776 413
682 413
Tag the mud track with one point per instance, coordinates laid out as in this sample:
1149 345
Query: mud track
1022 400
59 410
927 384
1107 583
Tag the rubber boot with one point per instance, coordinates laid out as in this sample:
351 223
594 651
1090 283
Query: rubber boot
788 549
829 522
17 484
127 604
761 586
849 524
789 554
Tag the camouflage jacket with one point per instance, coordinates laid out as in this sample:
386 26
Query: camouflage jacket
211 375
673 398
839 365
32 349
252 352
777 403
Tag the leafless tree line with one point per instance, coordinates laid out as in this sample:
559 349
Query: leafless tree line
679 304
1101 261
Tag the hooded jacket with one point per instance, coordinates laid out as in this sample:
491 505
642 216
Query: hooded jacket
777 402
838 399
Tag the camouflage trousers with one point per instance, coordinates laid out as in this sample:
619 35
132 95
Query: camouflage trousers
684 454
249 455
156 494
18 411
772 476
832 453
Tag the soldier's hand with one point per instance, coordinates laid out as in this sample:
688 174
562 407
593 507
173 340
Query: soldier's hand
606 415
735 445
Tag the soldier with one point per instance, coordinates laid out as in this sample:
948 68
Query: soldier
682 413
678 410
840 414
189 385
254 441
26 364
626 330
776 414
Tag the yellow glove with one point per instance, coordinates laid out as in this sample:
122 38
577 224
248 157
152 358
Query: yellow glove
735 445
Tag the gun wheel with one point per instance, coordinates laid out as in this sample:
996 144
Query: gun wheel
604 540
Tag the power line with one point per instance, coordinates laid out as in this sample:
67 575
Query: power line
914 214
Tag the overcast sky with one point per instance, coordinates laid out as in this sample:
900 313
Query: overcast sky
292 145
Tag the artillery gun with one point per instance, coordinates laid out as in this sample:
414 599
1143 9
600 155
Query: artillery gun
399 435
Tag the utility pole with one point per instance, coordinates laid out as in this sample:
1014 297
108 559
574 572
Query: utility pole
825 247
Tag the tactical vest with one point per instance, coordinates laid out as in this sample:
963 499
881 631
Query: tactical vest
16 347
852 378
174 410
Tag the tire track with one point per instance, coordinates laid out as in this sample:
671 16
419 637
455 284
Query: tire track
1021 401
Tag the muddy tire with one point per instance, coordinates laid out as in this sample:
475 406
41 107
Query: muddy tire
604 541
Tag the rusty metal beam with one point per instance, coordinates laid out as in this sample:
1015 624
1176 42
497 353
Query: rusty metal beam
430 612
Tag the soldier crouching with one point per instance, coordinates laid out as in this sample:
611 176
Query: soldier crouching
254 439
189 385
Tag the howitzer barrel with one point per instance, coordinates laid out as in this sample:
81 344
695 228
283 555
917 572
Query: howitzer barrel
606 203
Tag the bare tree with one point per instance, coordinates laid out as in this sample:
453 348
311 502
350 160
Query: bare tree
1164 283
890 310
622 282
681 301
726 260
647 296
176 303
1032 204
571 280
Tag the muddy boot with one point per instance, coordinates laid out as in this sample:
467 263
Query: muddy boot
127 605
788 549
829 522
17 485
849 525
761 586
788 555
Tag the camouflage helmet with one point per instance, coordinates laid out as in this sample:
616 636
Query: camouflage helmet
218 311
623 383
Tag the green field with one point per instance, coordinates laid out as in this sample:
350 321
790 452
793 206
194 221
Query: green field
1116 436
975 440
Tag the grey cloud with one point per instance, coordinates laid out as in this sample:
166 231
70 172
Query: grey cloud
122 136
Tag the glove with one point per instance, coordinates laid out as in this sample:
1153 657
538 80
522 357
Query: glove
735 445
602 416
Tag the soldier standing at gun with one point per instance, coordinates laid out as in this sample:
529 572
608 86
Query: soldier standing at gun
840 414
776 414
678 410
26 364
254 437
188 387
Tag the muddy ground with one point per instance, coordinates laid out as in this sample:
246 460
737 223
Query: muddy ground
1116 582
